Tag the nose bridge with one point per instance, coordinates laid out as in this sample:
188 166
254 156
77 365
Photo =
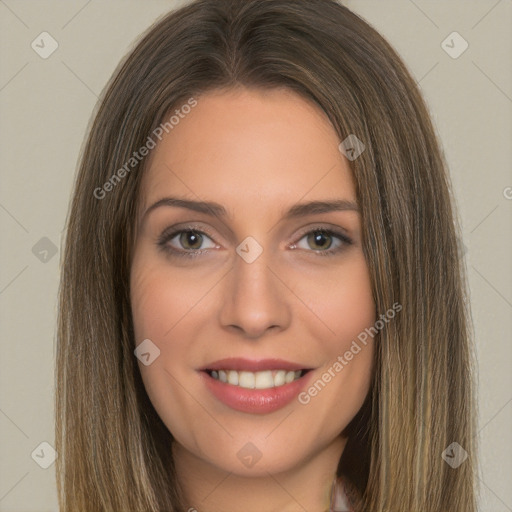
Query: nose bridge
255 298
252 271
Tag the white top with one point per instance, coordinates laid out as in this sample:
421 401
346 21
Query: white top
339 500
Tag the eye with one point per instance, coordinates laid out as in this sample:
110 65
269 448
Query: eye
320 240
184 242
190 242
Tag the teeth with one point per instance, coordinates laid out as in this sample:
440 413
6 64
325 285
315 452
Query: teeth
233 378
246 380
264 380
290 376
279 378
256 380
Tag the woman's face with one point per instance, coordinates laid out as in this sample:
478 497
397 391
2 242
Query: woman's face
256 292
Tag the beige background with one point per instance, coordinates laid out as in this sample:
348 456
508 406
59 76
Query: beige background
46 105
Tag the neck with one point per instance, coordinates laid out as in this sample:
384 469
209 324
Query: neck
307 486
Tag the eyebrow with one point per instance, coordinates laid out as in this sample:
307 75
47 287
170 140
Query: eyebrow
217 210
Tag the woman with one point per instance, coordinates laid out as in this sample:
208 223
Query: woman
262 303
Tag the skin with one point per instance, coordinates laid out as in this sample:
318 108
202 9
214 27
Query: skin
257 153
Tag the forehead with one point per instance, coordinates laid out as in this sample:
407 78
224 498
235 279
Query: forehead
241 146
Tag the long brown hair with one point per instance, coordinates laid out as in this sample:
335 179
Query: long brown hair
113 449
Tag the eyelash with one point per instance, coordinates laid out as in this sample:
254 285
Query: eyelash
166 236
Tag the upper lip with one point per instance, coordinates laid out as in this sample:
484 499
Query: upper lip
253 365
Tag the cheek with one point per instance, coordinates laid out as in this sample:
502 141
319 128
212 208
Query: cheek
346 306
161 296
167 303
342 299
160 299
355 310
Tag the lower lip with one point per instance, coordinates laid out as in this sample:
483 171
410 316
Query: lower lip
255 401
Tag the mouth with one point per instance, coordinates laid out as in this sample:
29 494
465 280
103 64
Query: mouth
255 386
257 380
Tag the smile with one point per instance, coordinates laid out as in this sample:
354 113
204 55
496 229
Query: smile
256 380
255 386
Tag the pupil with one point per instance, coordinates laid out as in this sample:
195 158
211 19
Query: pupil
318 236
191 236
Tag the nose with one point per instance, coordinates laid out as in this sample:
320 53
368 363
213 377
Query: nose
255 298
